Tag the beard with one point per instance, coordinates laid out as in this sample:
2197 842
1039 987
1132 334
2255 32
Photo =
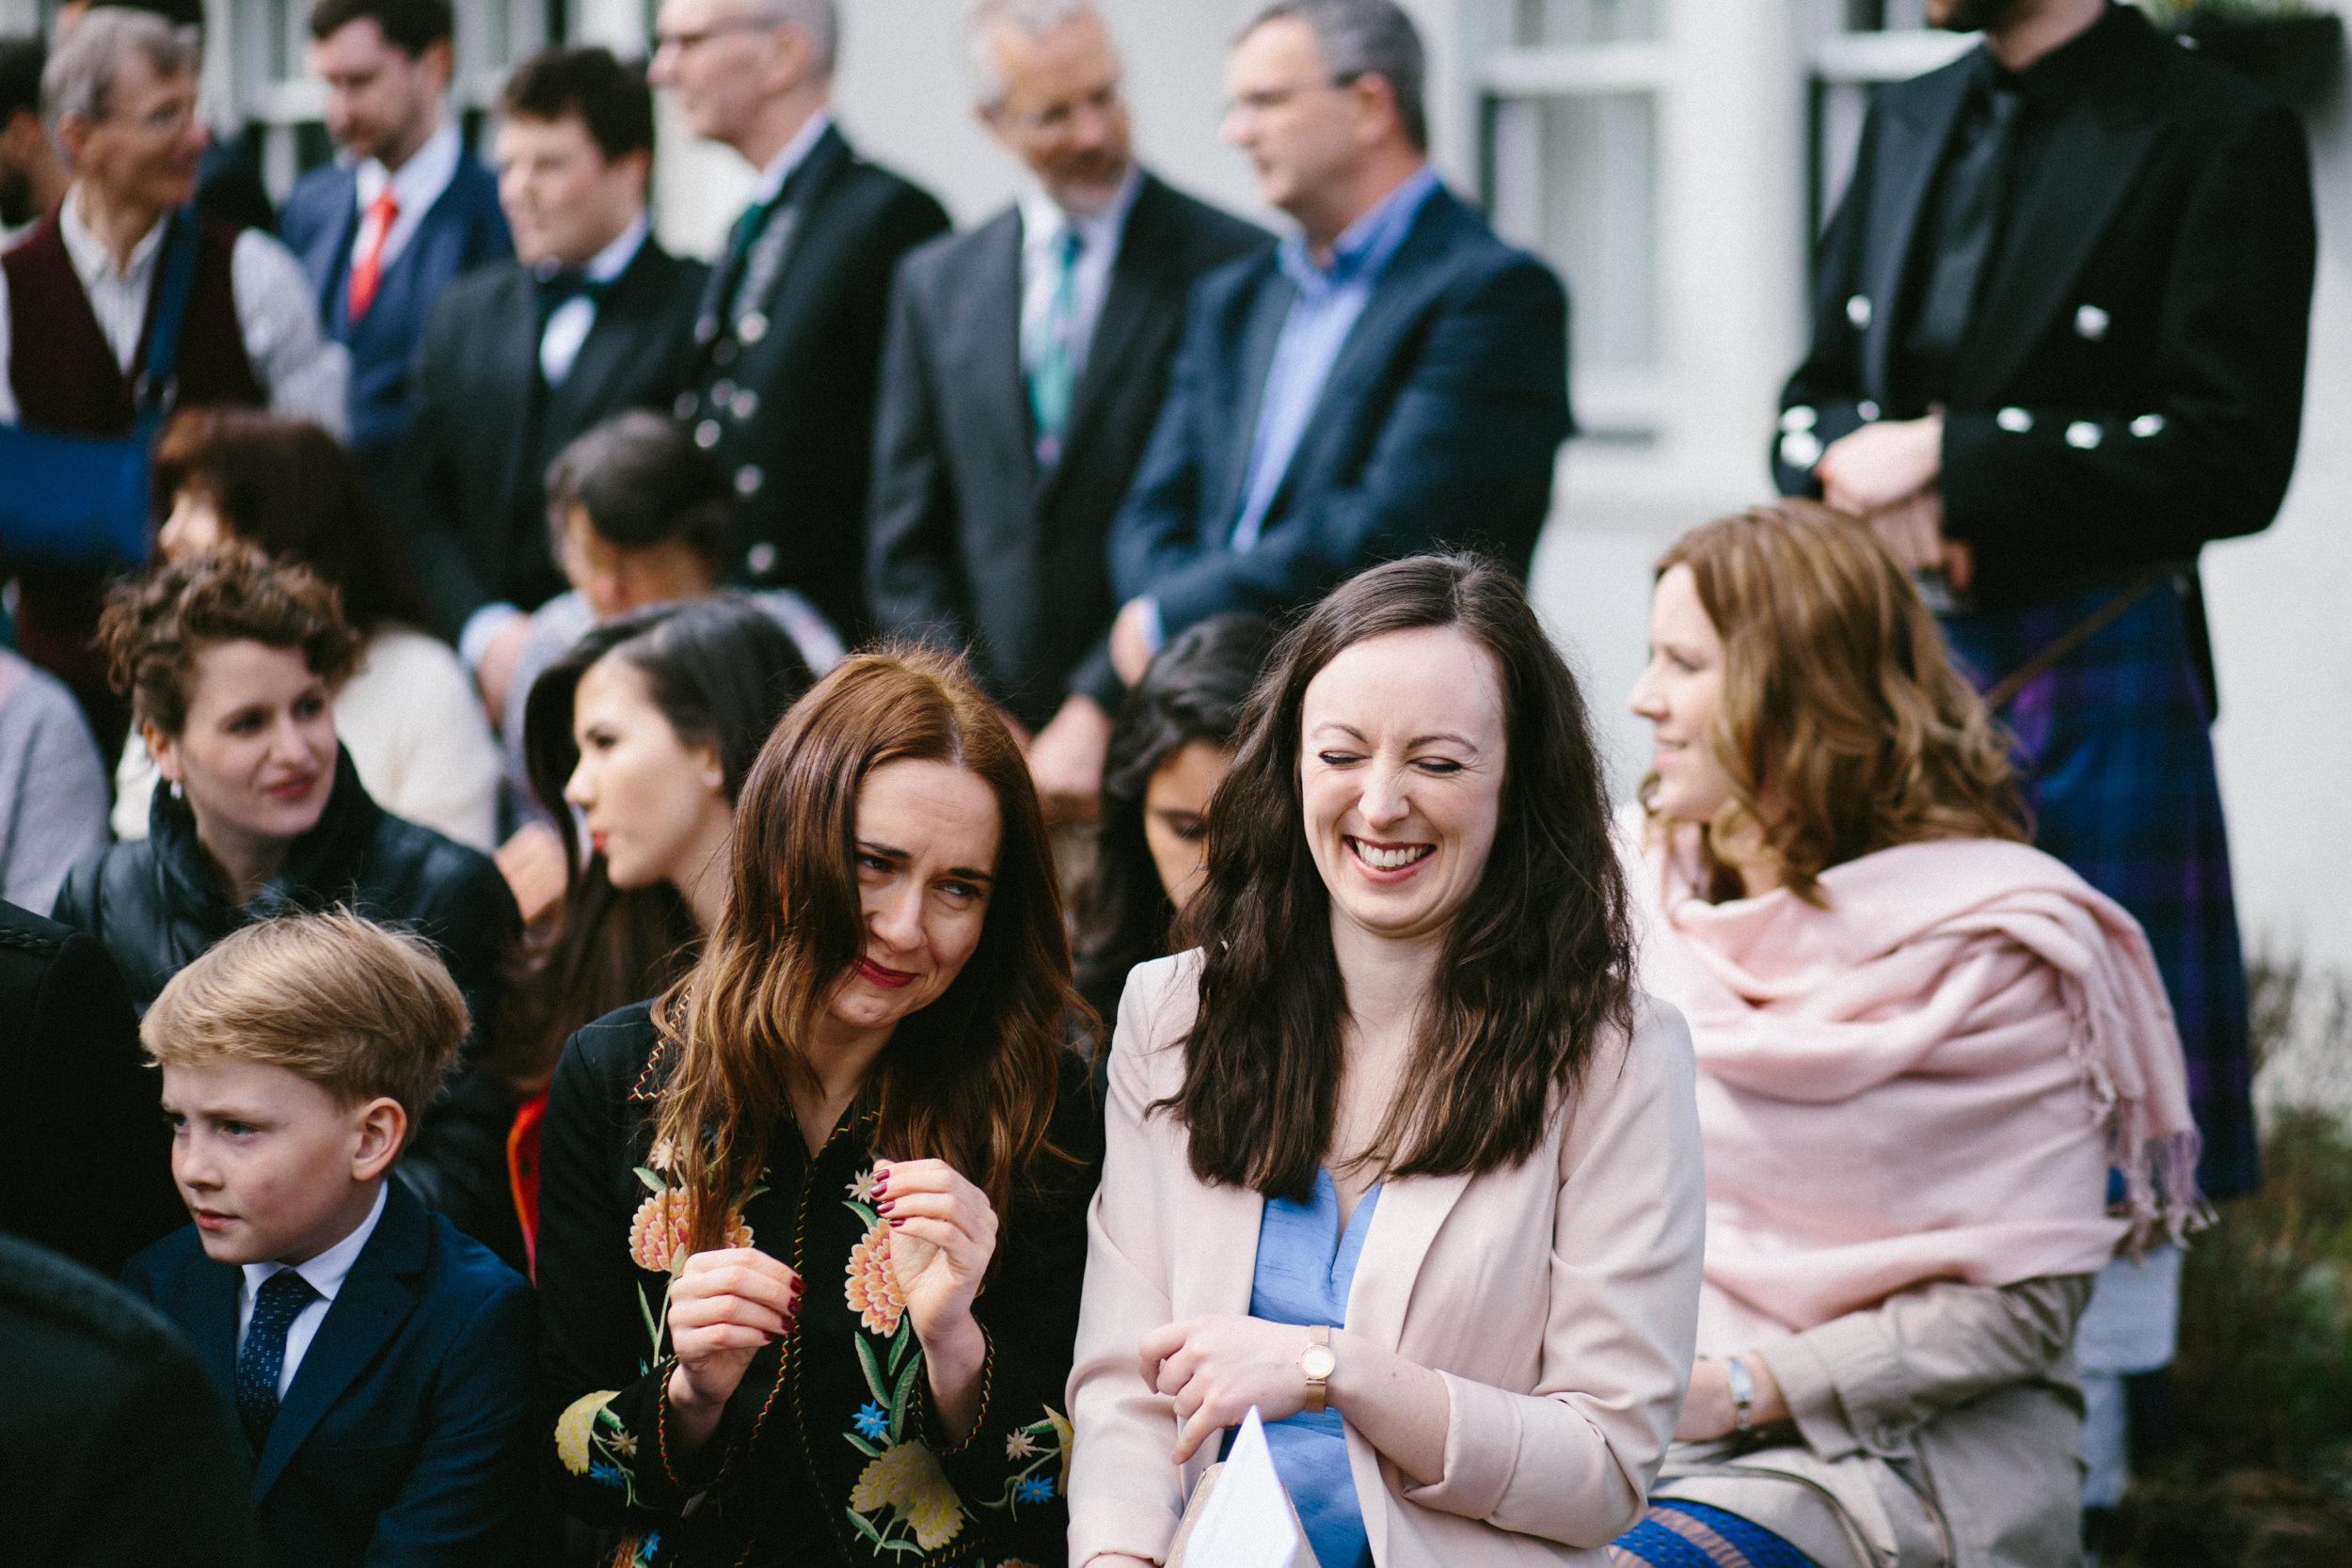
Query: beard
1971 16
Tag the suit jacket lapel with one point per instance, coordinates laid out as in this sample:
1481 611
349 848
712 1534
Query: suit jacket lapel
376 1299
1221 1264
981 359
213 1330
1260 331
511 369
612 339
2093 156
1911 144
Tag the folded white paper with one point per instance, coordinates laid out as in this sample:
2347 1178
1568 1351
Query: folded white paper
1248 1521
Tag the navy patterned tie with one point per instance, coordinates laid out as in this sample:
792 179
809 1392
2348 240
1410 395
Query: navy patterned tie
280 1300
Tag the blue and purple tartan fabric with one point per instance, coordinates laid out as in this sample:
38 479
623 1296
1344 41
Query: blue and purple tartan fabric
1674 1533
2117 766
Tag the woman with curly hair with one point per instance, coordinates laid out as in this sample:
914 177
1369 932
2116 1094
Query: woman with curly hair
1922 1047
1396 1154
811 1223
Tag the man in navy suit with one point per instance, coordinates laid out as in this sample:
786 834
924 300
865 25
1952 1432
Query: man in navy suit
1390 378
401 212
379 1363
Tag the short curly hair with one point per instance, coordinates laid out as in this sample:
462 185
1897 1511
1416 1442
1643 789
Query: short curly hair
154 625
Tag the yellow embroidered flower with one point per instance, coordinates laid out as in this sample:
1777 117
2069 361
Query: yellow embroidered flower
1065 1435
1020 1445
658 1236
874 1294
574 1427
908 1478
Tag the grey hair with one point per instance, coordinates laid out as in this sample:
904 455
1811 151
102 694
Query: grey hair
818 19
1365 37
1031 19
79 76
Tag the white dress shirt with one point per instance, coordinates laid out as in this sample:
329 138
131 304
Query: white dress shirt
1044 221
415 188
306 373
572 321
326 1274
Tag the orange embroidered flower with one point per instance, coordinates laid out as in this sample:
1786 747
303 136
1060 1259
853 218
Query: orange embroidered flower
658 1236
873 1289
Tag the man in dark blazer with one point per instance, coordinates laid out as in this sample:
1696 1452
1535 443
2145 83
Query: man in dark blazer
70 1058
1024 363
1393 378
402 210
591 318
787 347
119 1449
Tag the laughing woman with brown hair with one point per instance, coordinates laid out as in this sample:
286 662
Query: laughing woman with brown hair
771 1200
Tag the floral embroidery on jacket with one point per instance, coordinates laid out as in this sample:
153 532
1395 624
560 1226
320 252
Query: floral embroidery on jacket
902 1491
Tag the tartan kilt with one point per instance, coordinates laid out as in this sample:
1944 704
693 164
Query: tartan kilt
2116 763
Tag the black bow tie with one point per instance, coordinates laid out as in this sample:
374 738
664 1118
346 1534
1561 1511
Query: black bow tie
557 288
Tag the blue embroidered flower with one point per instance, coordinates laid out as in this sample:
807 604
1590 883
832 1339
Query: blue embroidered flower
607 1475
873 1423
647 1547
1033 1489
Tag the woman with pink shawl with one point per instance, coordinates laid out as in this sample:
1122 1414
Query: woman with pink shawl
1923 1046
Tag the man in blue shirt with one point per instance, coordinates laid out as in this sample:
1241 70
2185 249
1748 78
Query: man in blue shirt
1392 378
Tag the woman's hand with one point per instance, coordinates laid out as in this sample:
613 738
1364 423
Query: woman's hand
1216 1367
942 1232
723 1307
1708 1411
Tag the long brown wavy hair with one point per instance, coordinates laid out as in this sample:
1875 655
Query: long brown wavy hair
970 1079
1843 728
1538 962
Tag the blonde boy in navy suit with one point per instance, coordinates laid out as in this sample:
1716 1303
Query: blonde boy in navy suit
378 1361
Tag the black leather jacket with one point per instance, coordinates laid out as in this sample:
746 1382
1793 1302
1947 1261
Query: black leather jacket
157 903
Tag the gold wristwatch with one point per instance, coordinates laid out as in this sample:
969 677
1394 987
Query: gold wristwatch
1317 1362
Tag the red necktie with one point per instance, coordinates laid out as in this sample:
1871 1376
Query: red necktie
366 270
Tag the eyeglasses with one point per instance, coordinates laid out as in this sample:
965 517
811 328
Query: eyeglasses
695 39
1055 118
1270 99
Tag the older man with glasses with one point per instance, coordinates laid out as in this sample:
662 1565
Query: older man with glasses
788 341
1393 378
1024 364
80 296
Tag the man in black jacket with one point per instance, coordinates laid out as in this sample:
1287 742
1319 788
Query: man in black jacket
788 343
1024 364
591 318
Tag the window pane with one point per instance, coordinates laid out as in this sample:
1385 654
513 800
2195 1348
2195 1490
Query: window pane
1576 179
1566 24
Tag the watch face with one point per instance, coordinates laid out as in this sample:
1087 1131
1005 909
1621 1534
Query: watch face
1317 1362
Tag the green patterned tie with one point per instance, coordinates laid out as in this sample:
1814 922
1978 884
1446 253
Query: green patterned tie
1053 368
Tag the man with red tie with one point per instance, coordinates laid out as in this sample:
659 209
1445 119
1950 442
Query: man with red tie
402 211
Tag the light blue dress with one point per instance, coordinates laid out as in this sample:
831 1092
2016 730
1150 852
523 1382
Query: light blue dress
1306 1263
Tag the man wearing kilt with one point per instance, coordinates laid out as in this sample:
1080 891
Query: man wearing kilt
2059 344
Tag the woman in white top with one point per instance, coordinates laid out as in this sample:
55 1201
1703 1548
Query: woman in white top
409 715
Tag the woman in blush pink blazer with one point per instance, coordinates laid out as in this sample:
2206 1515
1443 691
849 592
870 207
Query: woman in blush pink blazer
1397 1155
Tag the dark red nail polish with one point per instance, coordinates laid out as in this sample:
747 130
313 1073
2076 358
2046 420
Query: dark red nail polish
884 1204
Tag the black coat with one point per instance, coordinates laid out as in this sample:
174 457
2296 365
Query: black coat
971 544
119 1449
787 404
2132 386
485 425
157 904
69 1057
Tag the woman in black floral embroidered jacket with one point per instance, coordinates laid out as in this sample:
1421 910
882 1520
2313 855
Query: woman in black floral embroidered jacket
812 1225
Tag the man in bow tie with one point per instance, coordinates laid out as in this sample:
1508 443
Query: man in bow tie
591 318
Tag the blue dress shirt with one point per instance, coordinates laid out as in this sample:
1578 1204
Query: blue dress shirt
1306 1265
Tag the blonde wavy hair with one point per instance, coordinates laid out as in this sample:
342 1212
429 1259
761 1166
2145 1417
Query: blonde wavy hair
1843 727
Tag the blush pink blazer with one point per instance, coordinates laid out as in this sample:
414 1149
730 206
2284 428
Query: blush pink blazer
1559 1299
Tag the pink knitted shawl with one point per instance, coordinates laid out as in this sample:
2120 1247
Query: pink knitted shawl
1927 1079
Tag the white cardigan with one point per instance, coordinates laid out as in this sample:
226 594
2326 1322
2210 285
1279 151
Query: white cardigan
1558 1298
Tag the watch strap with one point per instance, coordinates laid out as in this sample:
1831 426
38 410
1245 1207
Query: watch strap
1318 1383
1742 1393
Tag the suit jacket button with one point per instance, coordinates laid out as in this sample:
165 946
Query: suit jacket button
761 558
748 479
2147 425
1798 418
686 405
2015 421
1867 409
706 435
753 328
746 403
2083 435
722 393
2090 323
1801 449
1858 312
